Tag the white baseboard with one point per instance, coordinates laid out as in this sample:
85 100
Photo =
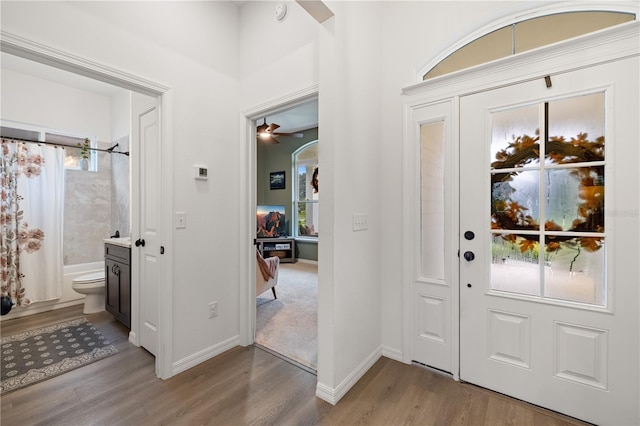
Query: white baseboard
332 396
310 262
326 393
205 354
133 339
392 353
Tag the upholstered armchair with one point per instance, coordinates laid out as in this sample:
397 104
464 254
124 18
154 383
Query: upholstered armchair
266 274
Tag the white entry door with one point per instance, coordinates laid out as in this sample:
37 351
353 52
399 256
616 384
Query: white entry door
144 240
549 247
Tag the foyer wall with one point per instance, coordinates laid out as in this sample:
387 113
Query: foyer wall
220 60
191 47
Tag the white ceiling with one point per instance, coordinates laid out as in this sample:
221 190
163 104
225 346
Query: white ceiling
300 117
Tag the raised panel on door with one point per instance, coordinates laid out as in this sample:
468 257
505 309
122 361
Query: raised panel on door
549 299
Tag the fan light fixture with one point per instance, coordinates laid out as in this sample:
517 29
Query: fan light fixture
267 132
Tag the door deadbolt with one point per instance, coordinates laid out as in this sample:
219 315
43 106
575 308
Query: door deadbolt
469 235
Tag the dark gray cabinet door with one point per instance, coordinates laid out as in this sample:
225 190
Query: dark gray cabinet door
118 283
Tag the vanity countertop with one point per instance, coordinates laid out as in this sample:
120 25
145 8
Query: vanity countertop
122 242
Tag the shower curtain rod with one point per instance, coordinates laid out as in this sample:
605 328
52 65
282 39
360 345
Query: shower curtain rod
109 150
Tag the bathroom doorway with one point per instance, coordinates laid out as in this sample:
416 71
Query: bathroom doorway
74 67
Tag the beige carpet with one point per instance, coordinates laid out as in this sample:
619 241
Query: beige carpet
289 324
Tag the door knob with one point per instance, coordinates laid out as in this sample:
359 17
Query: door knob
140 242
469 256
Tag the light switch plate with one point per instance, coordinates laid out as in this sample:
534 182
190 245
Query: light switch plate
181 220
360 221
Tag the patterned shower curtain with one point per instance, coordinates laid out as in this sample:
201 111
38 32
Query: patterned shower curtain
32 181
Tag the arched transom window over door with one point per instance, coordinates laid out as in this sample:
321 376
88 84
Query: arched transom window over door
526 35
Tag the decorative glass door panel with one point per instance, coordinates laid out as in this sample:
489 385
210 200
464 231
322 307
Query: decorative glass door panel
506 124
432 223
547 175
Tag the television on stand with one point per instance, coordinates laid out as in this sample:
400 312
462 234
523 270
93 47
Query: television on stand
271 222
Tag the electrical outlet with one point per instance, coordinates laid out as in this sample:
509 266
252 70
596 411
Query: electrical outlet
213 309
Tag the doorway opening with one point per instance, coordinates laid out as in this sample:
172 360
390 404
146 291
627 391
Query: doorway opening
285 203
70 67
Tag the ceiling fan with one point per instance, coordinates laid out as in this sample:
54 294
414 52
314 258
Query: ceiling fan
268 132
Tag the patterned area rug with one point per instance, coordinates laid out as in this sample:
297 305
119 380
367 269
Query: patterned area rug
37 355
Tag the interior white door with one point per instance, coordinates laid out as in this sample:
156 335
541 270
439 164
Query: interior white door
145 243
548 242
433 260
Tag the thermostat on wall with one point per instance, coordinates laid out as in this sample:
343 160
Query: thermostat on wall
201 172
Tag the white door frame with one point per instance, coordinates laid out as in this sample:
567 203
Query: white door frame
591 49
248 191
41 53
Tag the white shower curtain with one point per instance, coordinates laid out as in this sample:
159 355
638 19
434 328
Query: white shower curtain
32 218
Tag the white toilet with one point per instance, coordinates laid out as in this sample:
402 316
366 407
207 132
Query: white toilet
92 286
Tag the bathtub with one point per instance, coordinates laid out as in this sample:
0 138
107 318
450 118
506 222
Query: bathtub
69 296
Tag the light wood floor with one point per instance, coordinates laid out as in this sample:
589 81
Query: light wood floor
246 386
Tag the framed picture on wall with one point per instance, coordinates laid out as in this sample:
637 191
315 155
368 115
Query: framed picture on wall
277 180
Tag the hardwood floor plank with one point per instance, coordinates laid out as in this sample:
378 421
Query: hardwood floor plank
17 325
247 386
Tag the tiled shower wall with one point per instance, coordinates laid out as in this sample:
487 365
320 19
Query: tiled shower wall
91 211
120 193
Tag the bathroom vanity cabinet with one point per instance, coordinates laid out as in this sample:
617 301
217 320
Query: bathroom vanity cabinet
118 282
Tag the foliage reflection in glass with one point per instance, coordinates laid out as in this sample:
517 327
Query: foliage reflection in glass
566 174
